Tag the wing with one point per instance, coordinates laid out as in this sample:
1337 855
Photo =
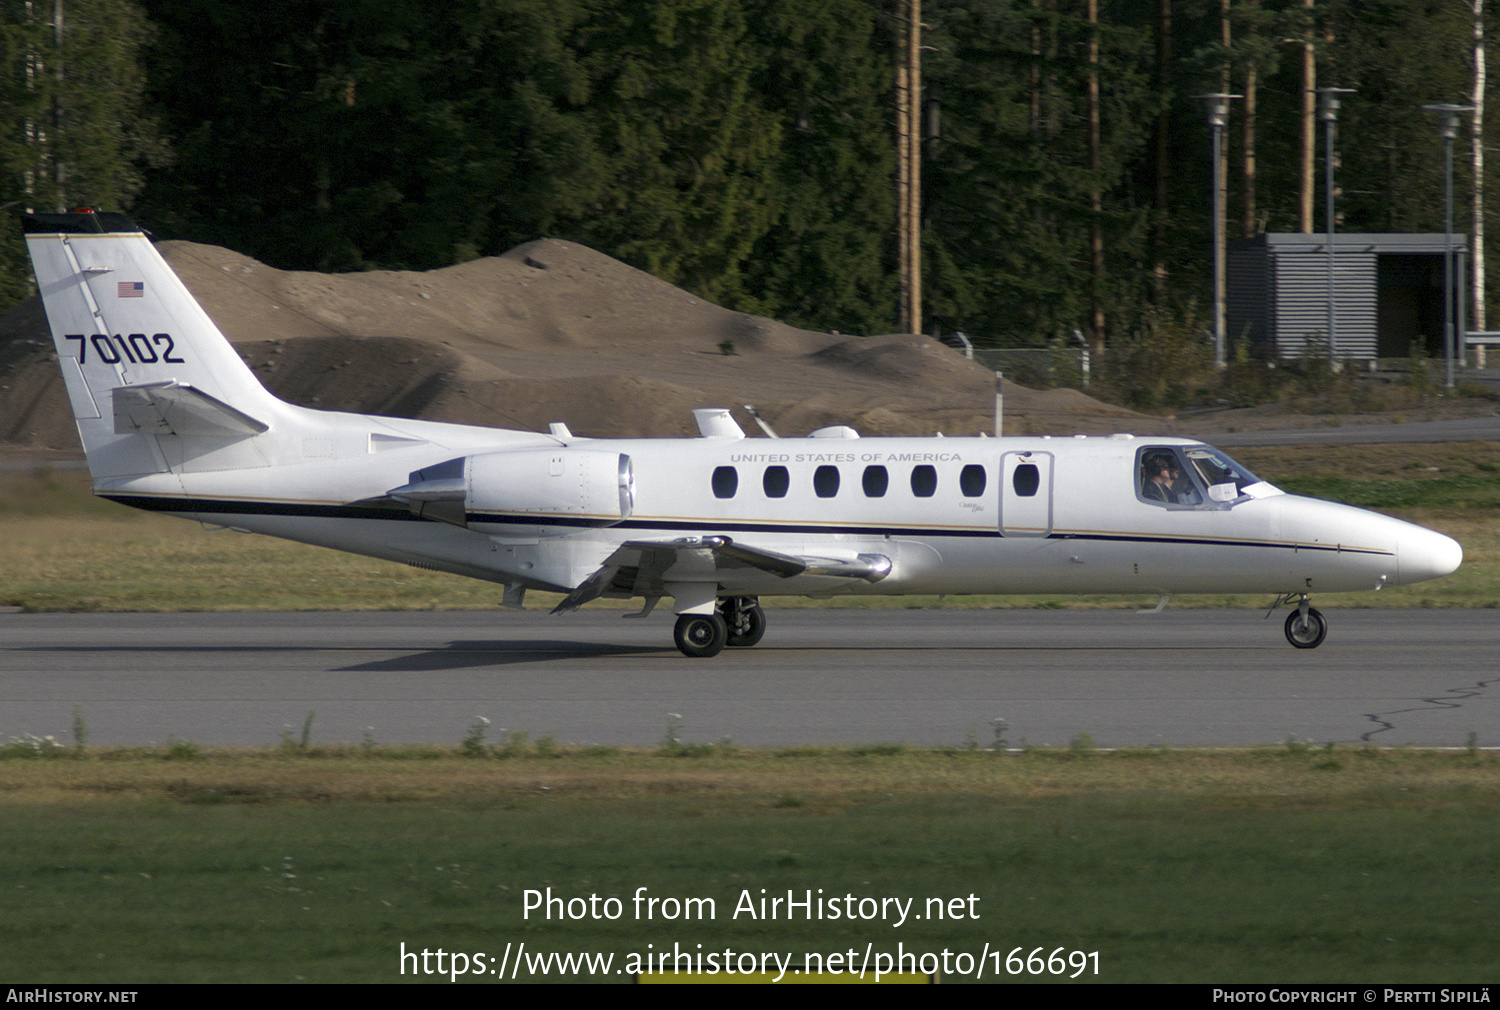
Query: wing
646 567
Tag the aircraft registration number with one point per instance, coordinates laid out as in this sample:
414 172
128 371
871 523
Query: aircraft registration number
134 348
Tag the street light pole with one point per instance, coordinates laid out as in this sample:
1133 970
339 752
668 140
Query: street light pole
1448 123
1328 111
1218 119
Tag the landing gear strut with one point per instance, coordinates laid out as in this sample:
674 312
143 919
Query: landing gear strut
746 621
736 621
1305 627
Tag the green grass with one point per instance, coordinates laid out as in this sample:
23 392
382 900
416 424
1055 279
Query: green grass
1460 491
1283 864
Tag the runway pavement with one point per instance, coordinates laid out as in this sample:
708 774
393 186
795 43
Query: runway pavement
926 677
1465 429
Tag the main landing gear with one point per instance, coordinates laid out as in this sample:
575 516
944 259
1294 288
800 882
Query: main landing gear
736 621
1305 627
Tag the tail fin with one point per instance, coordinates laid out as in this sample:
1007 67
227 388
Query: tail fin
141 360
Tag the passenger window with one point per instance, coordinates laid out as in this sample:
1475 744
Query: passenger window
726 481
826 481
776 481
1026 480
923 481
971 480
876 480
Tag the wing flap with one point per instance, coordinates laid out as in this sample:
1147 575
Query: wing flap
645 567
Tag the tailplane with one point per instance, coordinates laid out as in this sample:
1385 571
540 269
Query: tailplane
153 383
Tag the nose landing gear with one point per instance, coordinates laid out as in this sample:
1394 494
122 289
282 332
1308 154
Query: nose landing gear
1305 627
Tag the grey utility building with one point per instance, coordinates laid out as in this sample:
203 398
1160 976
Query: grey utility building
1388 294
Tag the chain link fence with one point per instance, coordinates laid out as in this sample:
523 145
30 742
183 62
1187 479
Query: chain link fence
1038 367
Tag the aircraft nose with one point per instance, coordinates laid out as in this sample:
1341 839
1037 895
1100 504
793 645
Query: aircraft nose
1426 554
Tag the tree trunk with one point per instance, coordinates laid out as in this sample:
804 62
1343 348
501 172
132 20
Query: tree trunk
1251 226
1096 171
905 225
1225 81
1036 75
914 148
1476 124
1309 94
1163 145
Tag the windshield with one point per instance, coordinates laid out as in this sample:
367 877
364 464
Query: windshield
1196 476
1218 470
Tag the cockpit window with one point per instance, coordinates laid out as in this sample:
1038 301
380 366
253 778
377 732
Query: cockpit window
1162 479
1196 476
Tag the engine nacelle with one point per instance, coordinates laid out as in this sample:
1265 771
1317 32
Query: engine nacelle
598 487
546 491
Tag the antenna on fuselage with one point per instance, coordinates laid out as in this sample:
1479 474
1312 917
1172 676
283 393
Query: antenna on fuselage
764 426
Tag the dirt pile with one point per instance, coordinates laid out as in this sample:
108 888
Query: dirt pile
550 331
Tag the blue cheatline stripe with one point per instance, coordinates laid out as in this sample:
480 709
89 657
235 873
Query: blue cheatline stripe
219 506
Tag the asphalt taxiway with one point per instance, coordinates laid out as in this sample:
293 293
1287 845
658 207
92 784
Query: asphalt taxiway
929 677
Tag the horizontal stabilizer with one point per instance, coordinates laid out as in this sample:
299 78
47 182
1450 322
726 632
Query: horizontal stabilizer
171 408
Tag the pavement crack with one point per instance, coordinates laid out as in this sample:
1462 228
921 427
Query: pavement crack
1450 698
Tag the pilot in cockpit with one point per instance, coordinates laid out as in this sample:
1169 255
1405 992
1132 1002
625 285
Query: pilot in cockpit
1159 477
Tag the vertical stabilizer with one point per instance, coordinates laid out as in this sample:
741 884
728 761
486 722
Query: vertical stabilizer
151 379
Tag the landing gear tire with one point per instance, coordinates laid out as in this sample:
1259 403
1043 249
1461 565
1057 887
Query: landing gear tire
1308 632
746 622
701 635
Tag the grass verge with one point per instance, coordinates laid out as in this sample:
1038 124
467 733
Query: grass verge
1280 864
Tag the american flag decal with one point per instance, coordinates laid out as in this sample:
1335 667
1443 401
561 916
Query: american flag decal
132 289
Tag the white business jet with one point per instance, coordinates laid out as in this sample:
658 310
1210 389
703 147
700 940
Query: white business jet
172 420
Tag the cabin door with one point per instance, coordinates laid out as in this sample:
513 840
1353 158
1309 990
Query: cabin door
1026 494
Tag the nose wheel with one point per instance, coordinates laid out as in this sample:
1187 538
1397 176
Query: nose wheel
1305 627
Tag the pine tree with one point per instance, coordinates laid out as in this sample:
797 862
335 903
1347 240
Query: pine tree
826 78
71 91
1009 185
